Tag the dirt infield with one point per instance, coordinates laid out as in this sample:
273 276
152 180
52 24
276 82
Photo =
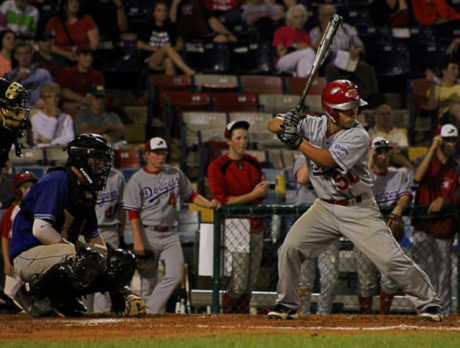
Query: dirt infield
103 327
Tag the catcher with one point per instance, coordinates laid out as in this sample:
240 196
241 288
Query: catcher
55 268
13 116
391 188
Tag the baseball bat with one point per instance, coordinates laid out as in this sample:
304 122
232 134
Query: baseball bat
187 290
321 55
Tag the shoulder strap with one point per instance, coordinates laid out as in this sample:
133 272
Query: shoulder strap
72 43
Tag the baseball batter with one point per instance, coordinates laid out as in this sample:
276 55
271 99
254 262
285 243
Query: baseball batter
111 220
336 147
328 260
151 198
392 187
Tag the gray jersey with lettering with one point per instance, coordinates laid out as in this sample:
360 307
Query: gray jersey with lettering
110 199
390 187
154 195
349 149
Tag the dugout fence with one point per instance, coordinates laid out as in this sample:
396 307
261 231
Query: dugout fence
235 248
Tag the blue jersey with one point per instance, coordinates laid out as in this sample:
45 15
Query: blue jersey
47 200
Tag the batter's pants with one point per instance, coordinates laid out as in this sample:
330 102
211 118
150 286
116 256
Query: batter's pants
361 223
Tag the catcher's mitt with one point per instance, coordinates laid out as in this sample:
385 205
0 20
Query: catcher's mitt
146 261
396 225
289 134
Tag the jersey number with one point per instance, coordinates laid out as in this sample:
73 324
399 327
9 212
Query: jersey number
343 181
172 199
109 213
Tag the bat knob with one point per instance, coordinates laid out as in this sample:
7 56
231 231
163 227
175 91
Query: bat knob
337 18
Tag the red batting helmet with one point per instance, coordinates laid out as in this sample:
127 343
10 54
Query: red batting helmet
340 95
20 179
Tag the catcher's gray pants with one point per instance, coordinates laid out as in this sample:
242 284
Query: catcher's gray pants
361 223
246 266
166 247
100 302
328 264
367 276
433 256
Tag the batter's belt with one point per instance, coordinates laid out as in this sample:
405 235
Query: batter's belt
347 201
159 228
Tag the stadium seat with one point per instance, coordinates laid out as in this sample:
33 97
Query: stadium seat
55 155
199 127
207 57
29 156
296 85
424 55
251 58
215 83
230 102
127 158
276 103
390 59
260 155
258 133
261 84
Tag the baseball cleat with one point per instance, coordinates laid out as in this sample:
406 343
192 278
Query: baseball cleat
432 314
281 312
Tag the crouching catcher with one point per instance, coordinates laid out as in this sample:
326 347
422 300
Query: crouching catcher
55 270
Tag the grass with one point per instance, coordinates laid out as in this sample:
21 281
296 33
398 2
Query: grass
326 340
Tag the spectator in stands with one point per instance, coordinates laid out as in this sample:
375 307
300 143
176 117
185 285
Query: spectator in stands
75 81
395 13
45 58
237 178
433 12
263 17
21 17
97 119
22 183
110 17
159 38
195 21
6 187
328 260
50 126
435 174
227 11
293 50
453 50
392 188
72 30
7 38
444 93
26 73
396 136
346 40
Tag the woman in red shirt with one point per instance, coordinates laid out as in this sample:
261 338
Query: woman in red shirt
72 30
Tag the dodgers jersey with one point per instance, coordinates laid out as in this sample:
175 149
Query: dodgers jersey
47 200
349 149
388 188
110 199
154 195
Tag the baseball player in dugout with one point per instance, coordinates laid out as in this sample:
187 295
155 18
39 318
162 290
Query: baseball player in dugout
392 187
14 113
336 147
236 178
433 237
151 199
54 269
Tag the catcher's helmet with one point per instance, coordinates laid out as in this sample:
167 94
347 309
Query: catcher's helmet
20 179
13 104
340 95
92 154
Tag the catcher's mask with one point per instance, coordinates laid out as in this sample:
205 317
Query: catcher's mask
13 105
340 95
92 154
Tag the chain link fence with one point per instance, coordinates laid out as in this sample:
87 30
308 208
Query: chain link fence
245 273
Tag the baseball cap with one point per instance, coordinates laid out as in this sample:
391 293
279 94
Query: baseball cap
156 143
380 142
84 48
448 131
97 90
235 124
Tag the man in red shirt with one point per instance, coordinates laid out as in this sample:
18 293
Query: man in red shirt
433 237
75 81
236 178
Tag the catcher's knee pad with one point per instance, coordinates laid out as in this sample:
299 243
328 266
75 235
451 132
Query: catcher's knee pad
121 265
126 303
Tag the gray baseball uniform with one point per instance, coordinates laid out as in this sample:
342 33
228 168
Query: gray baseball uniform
154 197
328 261
346 207
388 189
108 202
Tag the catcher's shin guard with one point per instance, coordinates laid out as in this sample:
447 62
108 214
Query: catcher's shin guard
32 304
126 303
